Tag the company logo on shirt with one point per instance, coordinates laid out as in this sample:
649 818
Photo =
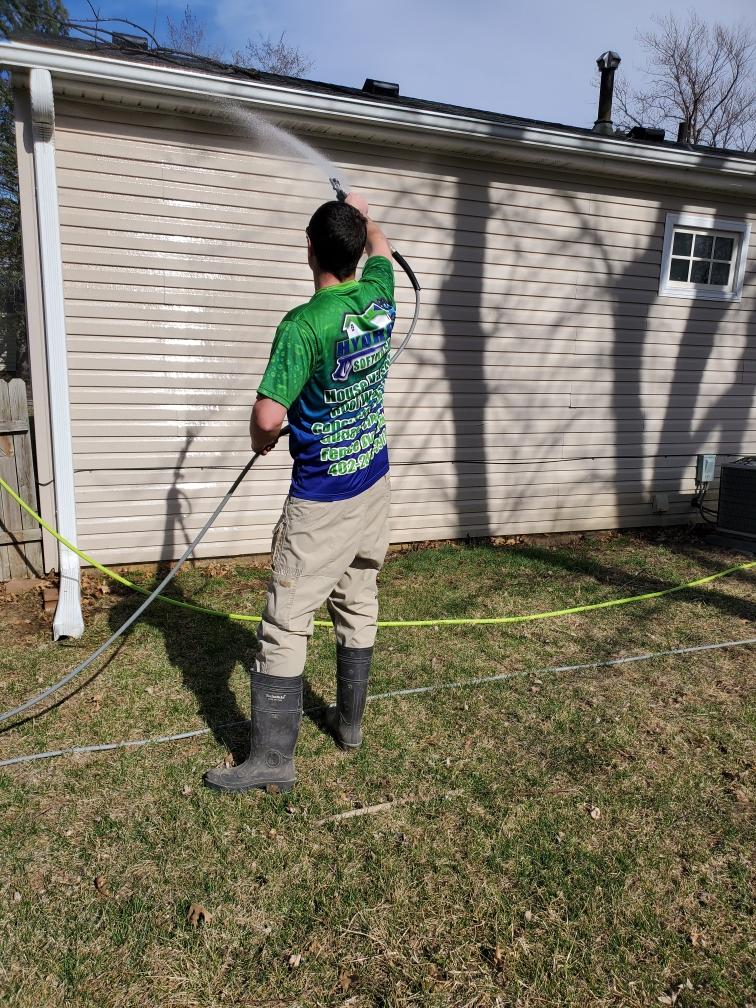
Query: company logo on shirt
367 336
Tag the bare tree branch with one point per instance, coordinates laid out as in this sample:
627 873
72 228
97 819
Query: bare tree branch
274 56
189 35
704 74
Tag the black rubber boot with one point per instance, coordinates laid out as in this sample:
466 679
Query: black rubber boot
352 675
276 717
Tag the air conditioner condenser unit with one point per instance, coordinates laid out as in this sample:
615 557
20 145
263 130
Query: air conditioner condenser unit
737 498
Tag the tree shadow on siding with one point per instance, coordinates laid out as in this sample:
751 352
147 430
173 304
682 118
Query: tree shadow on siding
659 420
630 335
468 413
670 437
681 437
727 417
612 314
661 440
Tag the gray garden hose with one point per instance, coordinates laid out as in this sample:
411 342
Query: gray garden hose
411 691
33 701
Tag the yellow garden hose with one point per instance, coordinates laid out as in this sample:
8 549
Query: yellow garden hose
461 621
155 593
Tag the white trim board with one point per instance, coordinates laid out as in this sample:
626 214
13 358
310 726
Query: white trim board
68 620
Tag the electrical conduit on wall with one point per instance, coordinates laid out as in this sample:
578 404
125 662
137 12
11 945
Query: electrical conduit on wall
68 617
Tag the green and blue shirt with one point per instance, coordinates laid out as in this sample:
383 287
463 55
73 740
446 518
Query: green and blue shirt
328 367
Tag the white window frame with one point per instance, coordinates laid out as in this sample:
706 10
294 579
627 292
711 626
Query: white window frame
742 229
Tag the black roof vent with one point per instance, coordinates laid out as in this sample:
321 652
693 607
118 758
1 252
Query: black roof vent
126 41
381 87
649 133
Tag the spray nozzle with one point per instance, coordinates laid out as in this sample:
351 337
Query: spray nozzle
340 194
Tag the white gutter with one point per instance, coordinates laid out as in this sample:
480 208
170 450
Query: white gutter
83 73
68 620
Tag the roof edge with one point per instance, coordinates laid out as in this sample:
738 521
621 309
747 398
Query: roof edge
180 89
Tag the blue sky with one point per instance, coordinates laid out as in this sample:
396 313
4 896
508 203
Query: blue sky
534 59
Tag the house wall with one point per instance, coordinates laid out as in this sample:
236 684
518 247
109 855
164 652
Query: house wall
548 387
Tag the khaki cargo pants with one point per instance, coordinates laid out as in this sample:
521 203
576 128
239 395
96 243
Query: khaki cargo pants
324 552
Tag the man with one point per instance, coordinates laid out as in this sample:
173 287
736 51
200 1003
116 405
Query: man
327 370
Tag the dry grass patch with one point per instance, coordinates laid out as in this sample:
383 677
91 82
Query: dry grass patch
574 839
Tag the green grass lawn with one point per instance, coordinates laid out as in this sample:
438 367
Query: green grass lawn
572 839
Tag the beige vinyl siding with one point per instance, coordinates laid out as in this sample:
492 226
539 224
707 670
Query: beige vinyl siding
547 388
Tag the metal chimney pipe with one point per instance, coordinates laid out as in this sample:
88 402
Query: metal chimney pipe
683 132
607 64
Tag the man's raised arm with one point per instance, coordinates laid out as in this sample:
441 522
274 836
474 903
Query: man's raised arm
376 243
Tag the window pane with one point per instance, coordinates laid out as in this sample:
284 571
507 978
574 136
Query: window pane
720 273
699 274
679 270
723 248
682 244
703 246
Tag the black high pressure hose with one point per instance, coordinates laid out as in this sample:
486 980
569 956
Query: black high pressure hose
33 701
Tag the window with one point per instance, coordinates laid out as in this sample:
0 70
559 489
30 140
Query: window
703 257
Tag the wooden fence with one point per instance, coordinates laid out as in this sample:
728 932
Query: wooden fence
20 536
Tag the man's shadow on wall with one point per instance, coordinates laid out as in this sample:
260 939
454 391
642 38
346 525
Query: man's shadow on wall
205 649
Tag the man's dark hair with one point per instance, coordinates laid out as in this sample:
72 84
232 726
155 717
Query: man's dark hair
338 233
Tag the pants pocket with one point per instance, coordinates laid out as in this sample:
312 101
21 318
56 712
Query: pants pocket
305 515
280 601
284 560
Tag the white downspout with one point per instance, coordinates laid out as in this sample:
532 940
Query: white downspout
68 618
